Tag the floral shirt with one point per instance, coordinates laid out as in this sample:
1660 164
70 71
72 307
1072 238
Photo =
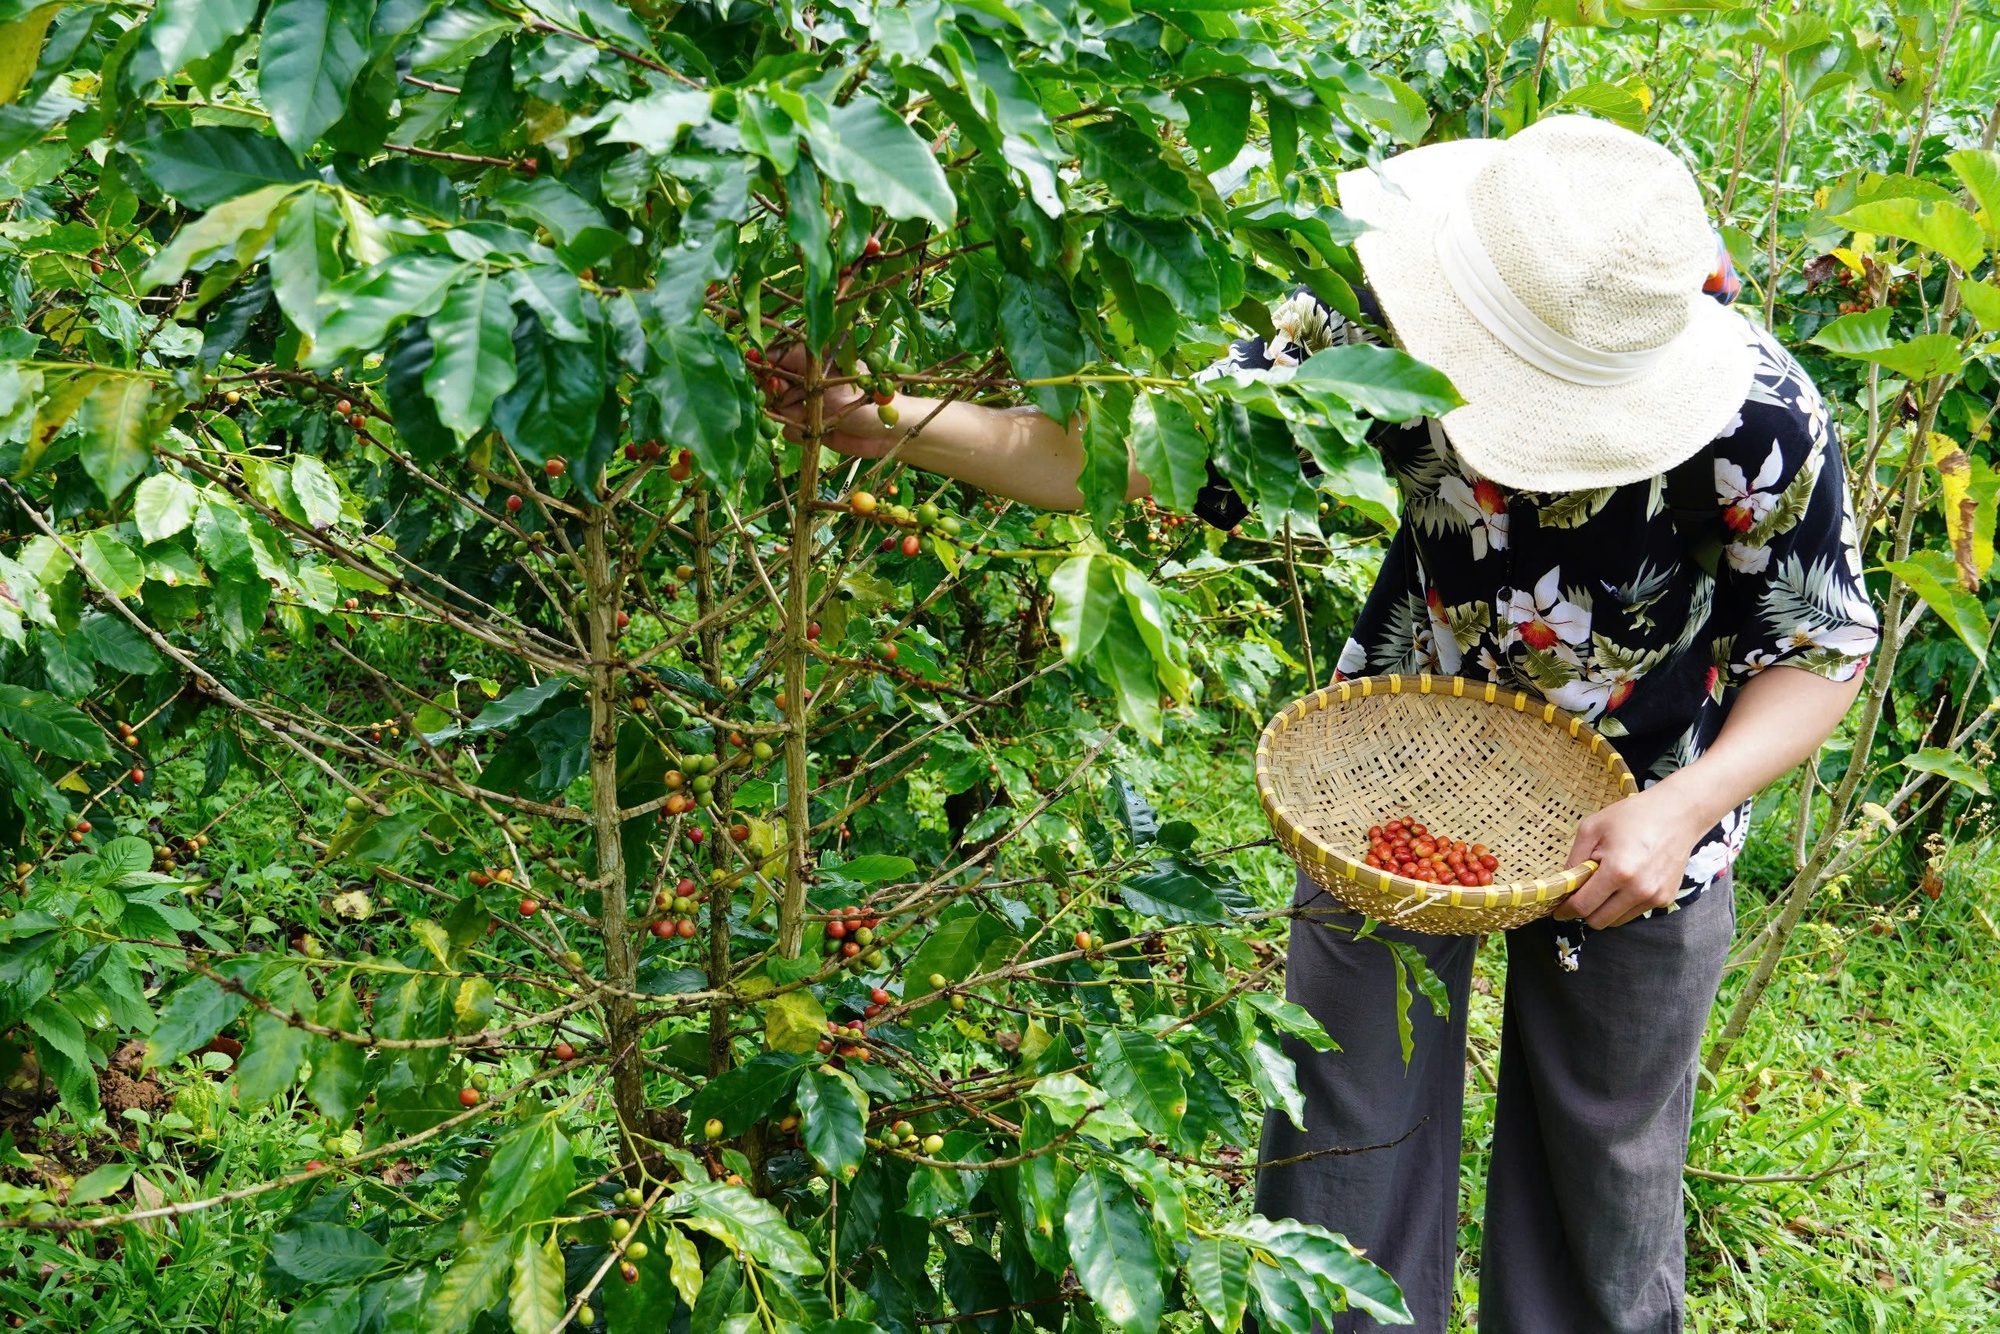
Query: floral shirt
1589 598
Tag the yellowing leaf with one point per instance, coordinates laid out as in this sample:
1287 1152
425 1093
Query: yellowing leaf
684 1264
435 939
1967 502
794 1021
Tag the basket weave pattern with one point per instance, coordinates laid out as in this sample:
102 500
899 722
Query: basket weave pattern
1467 758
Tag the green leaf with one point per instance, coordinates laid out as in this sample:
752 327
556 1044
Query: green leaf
1288 1017
1107 458
222 536
163 505
116 447
1858 334
1936 224
113 564
1259 457
1086 592
100 1182
834 1111
1922 358
1982 299
314 1253
1124 659
1344 1278
65 1058
1933 576
339 1069
1404 1031
867 146
208 164
952 950
1167 254
535 1299
554 205
1043 338
305 260
1137 1069
360 312
551 410
874 869
529 1174
1175 890
1218 125
654 121
1979 169
741 1097
472 358
1428 983
455 36
1618 105
115 644
1284 1297
1219 1272
182 32
194 1014
318 493
744 1222
1111 1243
476 1281
1169 448
1128 162
310 53
1276 1079
21 45
275 1049
1381 381
43 722
1945 764
704 395
224 227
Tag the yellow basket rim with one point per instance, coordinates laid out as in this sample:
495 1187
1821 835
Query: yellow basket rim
1302 846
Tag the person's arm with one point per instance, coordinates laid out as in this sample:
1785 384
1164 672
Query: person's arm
1018 453
1641 844
1024 455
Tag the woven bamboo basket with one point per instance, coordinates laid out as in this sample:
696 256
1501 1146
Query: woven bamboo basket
1467 758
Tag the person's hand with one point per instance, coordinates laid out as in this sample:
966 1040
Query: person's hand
852 424
1641 847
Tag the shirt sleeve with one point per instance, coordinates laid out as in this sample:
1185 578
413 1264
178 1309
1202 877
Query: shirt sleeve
1789 588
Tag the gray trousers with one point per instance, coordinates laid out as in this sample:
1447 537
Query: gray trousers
1584 1232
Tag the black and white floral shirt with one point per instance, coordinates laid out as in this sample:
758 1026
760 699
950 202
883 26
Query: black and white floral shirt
1588 598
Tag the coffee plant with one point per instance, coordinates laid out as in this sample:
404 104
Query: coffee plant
424 415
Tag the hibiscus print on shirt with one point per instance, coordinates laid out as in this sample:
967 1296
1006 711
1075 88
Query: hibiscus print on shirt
1544 618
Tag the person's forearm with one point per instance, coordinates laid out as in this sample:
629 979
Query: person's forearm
1018 453
1780 717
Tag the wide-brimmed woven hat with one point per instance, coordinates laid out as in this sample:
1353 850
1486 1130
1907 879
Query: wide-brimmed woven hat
1556 278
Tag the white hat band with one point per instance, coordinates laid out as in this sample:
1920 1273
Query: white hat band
1476 282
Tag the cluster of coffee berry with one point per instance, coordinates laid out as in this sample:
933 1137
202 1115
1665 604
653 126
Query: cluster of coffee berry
851 935
1410 849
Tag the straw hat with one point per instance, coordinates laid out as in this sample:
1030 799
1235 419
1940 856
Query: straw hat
1556 278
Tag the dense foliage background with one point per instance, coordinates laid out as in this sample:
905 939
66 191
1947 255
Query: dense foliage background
504 837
